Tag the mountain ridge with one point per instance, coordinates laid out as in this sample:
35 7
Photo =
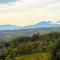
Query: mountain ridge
9 27
43 24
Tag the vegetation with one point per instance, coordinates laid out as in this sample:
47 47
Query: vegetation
35 47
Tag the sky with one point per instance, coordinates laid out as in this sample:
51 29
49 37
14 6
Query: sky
29 12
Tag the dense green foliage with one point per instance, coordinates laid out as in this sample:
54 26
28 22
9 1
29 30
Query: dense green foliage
36 43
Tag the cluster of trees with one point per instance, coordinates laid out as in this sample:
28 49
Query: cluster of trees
31 44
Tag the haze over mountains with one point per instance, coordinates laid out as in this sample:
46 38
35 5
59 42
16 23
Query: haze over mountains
9 27
43 24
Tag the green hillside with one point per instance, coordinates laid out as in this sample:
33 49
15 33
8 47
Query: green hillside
35 47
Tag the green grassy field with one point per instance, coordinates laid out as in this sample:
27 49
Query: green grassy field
35 56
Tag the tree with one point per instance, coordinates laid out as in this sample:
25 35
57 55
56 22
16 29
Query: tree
36 37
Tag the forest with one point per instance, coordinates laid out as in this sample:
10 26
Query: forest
35 47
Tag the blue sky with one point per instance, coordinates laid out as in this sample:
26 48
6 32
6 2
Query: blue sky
28 12
6 1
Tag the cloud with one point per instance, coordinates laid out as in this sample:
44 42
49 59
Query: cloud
24 5
29 11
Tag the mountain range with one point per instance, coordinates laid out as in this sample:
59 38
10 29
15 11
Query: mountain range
43 24
9 27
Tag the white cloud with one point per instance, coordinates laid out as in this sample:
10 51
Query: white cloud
26 10
29 4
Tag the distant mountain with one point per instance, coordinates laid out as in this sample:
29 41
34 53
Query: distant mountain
43 24
9 27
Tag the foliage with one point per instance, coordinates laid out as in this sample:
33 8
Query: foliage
29 45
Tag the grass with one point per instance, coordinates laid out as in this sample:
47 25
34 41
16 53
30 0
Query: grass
35 56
